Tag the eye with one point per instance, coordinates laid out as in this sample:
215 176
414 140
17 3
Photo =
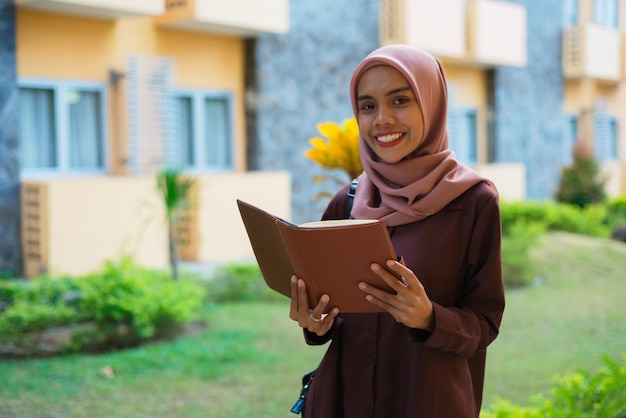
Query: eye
366 106
400 100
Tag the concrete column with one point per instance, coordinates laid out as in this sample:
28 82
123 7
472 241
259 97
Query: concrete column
10 247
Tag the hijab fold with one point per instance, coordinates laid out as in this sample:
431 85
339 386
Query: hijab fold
430 177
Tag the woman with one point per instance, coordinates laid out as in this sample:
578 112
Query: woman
425 356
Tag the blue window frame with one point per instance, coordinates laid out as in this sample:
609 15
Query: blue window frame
570 136
605 13
462 131
62 127
205 129
605 137
570 13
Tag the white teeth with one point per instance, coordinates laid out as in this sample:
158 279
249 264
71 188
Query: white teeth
389 138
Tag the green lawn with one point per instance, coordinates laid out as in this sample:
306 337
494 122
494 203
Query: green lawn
249 359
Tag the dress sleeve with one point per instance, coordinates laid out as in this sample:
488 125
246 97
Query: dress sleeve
473 323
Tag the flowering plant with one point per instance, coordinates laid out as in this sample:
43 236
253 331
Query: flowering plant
339 149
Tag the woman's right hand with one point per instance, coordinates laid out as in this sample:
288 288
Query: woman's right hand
315 320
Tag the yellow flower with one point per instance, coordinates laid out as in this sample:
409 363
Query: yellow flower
339 149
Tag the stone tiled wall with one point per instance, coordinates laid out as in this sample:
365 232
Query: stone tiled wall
10 253
303 79
529 102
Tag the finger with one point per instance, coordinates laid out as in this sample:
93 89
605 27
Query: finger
394 279
320 308
303 297
325 322
293 304
377 296
400 269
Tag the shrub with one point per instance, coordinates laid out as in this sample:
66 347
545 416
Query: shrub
516 244
581 395
591 220
240 283
601 395
616 209
580 184
127 294
616 218
125 304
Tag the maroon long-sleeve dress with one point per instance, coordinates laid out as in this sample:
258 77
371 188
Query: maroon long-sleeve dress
376 367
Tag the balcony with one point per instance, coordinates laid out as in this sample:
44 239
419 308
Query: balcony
496 33
72 225
436 26
476 32
240 18
592 51
97 9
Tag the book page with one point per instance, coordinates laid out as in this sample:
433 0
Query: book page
337 222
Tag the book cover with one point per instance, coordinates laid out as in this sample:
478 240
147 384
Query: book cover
332 257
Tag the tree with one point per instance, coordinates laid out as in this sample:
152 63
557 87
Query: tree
175 188
581 183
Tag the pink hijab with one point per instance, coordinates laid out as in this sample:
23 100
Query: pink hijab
427 180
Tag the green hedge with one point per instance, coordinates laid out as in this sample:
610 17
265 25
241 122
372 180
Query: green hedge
240 283
593 220
121 296
581 395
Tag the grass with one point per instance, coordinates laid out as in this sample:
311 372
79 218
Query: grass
565 322
249 359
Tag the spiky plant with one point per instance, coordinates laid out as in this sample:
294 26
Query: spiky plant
174 186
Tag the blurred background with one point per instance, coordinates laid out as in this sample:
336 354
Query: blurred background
96 97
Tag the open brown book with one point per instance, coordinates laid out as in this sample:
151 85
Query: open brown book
332 257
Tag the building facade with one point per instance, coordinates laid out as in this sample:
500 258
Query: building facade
233 91
516 103
109 93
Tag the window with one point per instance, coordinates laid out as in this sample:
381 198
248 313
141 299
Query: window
61 126
605 137
570 136
462 130
605 13
204 129
570 13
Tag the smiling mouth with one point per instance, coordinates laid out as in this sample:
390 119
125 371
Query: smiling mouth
389 139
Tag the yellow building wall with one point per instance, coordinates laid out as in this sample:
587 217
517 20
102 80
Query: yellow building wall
90 219
59 46
468 88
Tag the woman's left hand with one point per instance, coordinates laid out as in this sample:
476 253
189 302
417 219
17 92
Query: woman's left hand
410 305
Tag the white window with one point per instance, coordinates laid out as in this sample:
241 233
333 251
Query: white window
62 127
462 131
204 129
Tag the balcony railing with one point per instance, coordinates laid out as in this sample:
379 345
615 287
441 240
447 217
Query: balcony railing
592 51
232 17
99 9
479 32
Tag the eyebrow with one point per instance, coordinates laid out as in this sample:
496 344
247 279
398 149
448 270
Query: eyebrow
389 93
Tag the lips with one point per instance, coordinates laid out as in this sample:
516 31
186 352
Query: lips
389 140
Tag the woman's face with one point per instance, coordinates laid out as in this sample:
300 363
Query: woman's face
389 116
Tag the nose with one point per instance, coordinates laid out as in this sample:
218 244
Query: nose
384 116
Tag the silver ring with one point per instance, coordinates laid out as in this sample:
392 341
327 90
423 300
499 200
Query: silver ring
315 319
